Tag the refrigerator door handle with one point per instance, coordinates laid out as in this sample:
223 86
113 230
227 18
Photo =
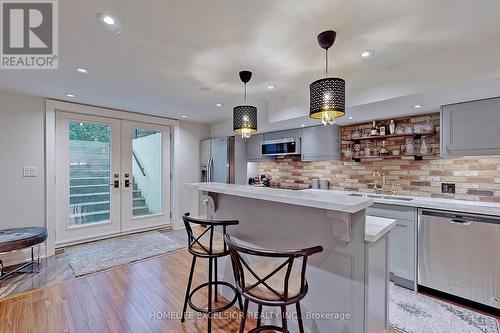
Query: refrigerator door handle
211 172
208 170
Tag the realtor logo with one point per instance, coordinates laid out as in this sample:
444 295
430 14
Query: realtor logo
29 34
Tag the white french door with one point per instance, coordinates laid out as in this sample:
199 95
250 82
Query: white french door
112 177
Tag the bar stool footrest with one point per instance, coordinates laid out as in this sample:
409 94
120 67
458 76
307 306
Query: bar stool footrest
267 328
218 309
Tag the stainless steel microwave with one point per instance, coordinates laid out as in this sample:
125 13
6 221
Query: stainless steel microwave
288 146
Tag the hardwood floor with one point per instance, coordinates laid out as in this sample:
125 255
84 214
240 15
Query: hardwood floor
55 269
146 296
134 298
142 297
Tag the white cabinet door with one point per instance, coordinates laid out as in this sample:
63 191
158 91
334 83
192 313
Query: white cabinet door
254 148
403 242
293 133
402 250
321 143
471 128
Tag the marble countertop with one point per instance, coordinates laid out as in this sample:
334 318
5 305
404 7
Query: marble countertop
474 207
330 200
377 227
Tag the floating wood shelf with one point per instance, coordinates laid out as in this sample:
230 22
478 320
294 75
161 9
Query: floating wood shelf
417 157
385 137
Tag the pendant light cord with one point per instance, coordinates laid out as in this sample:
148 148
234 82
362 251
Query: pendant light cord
326 62
245 92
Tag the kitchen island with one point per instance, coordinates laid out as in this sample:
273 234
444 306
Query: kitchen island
348 281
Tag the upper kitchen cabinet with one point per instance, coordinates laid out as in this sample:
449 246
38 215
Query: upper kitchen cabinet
293 133
321 143
471 128
254 148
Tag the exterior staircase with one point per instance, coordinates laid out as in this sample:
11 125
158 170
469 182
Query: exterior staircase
90 189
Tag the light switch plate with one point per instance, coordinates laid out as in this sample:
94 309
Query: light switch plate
29 172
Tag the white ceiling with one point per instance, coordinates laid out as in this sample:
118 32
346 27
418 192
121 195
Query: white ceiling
183 56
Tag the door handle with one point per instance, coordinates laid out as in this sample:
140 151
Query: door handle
127 183
209 169
459 221
115 184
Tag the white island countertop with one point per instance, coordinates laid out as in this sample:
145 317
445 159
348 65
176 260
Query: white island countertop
377 227
324 200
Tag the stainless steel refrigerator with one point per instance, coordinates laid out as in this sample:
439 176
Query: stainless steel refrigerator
217 163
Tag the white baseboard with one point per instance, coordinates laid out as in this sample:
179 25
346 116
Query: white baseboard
21 256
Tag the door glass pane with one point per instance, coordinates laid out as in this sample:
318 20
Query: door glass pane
89 165
147 157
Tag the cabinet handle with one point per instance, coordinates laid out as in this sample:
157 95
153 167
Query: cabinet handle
460 221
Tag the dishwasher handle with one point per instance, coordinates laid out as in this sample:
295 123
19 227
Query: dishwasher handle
460 221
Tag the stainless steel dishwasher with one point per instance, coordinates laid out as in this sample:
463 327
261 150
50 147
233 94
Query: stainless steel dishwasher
459 254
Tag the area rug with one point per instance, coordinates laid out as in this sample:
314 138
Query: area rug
101 255
410 312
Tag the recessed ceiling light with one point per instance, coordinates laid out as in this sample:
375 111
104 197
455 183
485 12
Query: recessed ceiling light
109 20
184 116
271 86
350 117
303 125
81 70
111 23
418 106
70 95
367 53
219 105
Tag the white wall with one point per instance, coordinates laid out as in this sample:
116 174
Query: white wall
22 143
252 169
240 161
186 169
22 199
149 150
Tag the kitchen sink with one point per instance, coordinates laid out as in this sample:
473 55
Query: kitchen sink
376 196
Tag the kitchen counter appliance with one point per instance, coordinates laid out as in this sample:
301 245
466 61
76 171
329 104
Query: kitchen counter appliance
459 254
217 160
287 146
217 164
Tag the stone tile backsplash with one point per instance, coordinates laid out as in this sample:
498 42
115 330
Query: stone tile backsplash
476 178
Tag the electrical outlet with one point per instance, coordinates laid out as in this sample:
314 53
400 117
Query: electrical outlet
448 188
29 172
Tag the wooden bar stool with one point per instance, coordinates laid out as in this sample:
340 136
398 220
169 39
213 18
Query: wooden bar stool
208 244
271 281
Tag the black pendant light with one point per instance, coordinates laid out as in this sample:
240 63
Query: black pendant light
245 116
327 96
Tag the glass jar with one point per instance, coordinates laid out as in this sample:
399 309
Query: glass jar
348 151
428 127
